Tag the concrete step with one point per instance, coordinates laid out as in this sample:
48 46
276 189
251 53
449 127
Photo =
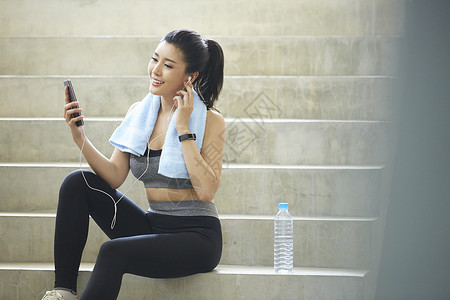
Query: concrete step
268 55
24 281
249 141
248 240
290 97
311 191
301 17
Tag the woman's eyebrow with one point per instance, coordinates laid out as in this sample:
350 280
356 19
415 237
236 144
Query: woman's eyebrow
171 60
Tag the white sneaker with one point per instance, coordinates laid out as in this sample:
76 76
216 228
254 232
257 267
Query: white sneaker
52 295
59 295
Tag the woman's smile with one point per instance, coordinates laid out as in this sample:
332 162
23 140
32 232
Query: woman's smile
156 82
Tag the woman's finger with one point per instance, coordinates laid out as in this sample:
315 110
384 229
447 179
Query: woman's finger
66 92
75 120
69 106
177 101
183 95
189 89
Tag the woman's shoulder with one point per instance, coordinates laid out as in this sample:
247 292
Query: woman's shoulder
214 118
132 107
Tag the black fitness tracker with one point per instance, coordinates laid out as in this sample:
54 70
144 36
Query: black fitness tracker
187 136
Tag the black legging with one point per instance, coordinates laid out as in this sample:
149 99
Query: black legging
142 243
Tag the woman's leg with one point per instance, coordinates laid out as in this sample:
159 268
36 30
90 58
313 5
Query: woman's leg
166 254
76 202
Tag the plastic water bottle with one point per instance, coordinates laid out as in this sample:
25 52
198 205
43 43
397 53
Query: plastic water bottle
283 246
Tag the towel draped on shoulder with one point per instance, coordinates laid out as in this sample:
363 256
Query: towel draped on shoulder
133 134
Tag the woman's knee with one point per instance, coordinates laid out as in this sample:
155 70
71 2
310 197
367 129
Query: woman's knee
79 180
72 187
78 176
110 254
75 178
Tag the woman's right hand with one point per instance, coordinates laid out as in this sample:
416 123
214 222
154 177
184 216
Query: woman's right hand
69 109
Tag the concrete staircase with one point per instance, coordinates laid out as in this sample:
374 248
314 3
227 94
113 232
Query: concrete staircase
307 110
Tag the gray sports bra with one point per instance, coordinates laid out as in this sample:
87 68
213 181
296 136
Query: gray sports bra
151 178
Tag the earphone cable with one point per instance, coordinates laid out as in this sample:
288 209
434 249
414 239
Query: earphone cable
113 222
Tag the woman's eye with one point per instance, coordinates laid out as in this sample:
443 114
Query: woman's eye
154 59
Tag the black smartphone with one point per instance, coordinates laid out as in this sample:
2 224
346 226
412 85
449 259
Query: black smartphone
73 98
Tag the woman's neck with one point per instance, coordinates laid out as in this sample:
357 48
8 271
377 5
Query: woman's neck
167 106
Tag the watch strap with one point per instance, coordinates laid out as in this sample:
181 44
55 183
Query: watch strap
187 136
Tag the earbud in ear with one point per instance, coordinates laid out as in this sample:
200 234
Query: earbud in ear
189 79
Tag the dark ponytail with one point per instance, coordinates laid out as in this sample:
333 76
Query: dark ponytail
209 82
203 56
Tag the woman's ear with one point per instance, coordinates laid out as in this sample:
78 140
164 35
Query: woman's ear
191 77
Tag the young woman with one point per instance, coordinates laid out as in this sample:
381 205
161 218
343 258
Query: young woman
180 234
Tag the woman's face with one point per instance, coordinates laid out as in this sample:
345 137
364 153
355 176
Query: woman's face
166 70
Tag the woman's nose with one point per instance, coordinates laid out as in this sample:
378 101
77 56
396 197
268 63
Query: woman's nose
156 69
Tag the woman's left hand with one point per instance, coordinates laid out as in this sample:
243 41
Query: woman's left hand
184 103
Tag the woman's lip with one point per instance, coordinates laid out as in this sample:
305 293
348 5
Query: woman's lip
156 82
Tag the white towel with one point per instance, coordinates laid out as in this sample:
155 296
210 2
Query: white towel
134 132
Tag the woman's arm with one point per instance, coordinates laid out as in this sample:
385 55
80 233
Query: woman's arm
205 168
114 170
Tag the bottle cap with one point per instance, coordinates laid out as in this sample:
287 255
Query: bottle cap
283 206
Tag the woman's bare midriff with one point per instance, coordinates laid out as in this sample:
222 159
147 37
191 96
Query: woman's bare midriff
162 194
